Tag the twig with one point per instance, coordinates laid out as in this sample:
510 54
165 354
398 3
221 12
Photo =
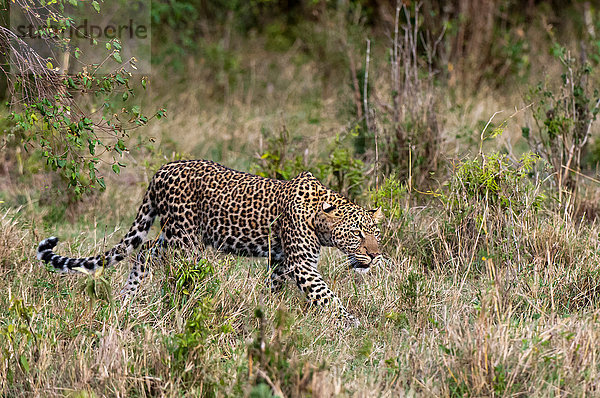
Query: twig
376 162
356 86
581 174
266 378
365 85
483 131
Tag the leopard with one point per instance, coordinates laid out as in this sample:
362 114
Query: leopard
202 203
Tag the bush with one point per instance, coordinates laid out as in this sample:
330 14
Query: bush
563 116
77 120
337 167
488 204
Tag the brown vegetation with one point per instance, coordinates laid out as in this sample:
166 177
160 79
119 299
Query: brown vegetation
490 284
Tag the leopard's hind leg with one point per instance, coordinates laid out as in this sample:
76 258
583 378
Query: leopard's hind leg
280 272
174 235
151 251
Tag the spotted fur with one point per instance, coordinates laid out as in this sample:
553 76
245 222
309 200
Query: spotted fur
200 202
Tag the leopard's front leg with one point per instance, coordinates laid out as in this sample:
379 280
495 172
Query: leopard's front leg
312 284
301 251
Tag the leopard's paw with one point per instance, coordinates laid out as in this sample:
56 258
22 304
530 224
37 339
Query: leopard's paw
349 321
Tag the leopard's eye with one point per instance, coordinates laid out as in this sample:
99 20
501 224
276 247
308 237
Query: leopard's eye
358 233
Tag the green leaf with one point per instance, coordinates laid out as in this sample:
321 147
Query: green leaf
116 168
96 6
24 363
117 56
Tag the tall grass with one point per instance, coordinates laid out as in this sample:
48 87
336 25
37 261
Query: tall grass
490 289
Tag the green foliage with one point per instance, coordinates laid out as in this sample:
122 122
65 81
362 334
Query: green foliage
563 115
278 161
494 180
365 350
341 170
399 318
175 14
499 381
347 169
51 116
189 278
278 37
18 339
261 390
68 140
179 33
487 202
413 287
96 287
198 328
389 197
458 389
192 284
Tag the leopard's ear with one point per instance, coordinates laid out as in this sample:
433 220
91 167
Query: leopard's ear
377 214
328 207
329 210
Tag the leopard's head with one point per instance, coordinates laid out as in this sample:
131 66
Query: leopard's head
354 231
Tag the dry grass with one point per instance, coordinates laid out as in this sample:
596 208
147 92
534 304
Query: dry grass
227 124
491 328
491 304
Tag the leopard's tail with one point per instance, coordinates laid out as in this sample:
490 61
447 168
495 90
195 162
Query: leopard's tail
134 238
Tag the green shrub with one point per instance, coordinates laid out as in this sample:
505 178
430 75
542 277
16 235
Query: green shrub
342 171
189 277
494 180
278 160
337 167
390 196
563 115
488 204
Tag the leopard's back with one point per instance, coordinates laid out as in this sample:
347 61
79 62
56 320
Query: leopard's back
232 211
